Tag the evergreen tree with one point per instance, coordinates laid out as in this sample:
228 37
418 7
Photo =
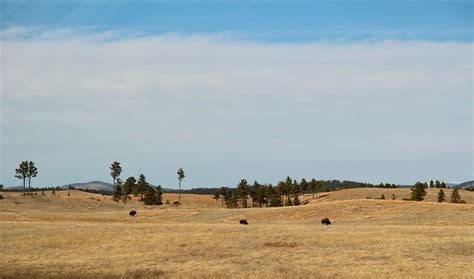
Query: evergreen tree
455 197
418 191
296 200
441 196
149 196
117 196
115 170
181 176
443 185
304 185
128 187
288 202
32 172
22 173
437 184
243 192
431 184
275 199
142 185
158 195
314 186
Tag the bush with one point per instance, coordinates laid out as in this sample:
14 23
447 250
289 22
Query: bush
1 197
167 202
418 192
394 197
455 197
441 196
176 203
382 197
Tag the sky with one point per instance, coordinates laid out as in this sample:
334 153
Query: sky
371 91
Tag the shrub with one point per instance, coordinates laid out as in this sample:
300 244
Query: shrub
68 194
455 197
382 197
176 203
167 202
394 197
418 191
1 197
441 196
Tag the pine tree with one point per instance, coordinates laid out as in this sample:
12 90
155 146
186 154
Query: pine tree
149 196
117 196
115 171
181 176
296 201
128 187
243 192
455 197
418 191
441 196
32 172
142 185
22 173
158 195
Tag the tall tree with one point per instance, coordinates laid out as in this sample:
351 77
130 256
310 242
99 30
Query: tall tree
304 186
243 192
115 170
142 185
431 184
117 196
22 173
128 187
32 172
181 176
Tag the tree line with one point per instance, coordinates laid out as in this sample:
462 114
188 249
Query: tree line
149 194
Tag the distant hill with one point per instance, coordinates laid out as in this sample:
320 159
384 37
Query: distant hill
467 184
93 185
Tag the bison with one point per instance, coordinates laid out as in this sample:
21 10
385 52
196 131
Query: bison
244 222
132 213
325 221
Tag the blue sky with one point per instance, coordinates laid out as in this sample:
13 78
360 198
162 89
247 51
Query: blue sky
374 91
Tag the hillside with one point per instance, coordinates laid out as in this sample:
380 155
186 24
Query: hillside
75 234
93 185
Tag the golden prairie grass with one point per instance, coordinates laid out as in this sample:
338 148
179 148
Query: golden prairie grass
77 236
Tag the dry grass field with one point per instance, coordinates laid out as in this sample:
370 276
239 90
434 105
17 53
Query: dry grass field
86 235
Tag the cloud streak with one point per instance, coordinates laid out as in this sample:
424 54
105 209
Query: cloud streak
227 109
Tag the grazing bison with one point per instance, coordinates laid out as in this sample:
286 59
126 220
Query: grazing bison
325 221
244 222
132 213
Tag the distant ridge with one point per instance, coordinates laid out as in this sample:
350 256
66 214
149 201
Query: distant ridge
467 184
93 185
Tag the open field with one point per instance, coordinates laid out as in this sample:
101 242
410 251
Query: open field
86 235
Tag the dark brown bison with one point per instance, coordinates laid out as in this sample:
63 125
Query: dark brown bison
325 221
244 222
132 213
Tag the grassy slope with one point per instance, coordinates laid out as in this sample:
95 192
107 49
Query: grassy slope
86 235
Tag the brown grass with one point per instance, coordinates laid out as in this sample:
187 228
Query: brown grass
81 237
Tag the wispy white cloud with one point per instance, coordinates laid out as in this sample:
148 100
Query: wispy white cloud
212 104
